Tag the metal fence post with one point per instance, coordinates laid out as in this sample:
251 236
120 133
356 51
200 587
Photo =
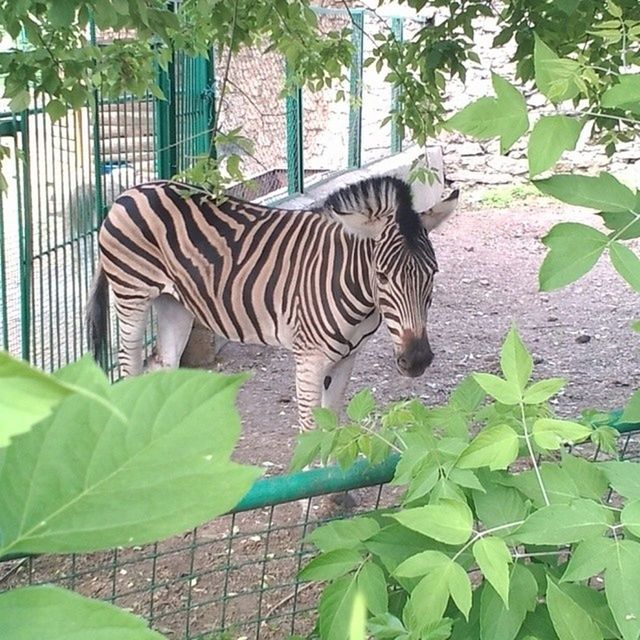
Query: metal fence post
25 226
165 124
295 168
397 131
355 90
210 94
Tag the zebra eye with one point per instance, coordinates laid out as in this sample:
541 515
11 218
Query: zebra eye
382 278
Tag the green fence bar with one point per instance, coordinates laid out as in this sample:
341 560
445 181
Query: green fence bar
355 90
316 482
25 225
165 124
324 480
295 168
397 131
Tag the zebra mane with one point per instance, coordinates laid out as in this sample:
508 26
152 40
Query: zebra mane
373 201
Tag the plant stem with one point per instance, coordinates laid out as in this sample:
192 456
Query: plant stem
387 442
532 455
482 534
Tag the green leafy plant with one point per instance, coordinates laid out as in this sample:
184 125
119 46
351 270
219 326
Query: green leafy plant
500 530
91 466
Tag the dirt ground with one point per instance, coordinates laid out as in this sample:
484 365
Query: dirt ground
489 259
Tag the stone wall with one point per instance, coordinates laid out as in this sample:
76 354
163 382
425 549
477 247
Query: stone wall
481 163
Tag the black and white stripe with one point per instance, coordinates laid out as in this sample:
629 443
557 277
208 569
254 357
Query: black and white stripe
317 282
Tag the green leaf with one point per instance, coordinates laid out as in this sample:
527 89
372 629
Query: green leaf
574 249
604 192
556 77
334 608
330 565
459 587
493 558
56 110
84 376
622 587
550 138
589 558
387 626
429 598
344 534
502 390
542 390
626 263
632 410
465 478
373 585
624 477
52 612
570 620
624 94
625 224
358 617
550 433
62 12
504 116
606 439
394 543
588 478
361 405
595 603
422 564
499 506
20 101
26 396
449 521
515 360
537 625
496 621
630 517
325 419
511 103
565 523
494 447
467 396
307 449
85 479
561 489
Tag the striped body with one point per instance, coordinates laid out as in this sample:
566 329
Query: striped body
305 280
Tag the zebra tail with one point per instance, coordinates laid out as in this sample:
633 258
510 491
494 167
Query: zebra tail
98 315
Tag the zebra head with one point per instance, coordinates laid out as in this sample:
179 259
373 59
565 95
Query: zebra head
403 260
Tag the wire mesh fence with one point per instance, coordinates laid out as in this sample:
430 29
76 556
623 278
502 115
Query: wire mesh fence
234 577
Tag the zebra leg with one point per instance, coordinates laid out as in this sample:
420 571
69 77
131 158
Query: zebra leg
335 384
132 319
309 374
174 327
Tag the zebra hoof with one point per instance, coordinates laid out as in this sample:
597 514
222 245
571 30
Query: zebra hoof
344 500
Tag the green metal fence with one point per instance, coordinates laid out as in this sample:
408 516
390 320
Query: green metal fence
234 577
64 175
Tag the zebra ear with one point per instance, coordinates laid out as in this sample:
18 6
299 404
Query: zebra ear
365 225
435 216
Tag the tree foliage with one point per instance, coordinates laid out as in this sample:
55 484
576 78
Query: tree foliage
88 466
498 533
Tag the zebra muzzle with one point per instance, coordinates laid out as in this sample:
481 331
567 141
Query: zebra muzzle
415 357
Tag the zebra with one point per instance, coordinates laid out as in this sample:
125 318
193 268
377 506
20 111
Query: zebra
318 282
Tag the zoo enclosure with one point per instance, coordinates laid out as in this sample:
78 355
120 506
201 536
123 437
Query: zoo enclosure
63 176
